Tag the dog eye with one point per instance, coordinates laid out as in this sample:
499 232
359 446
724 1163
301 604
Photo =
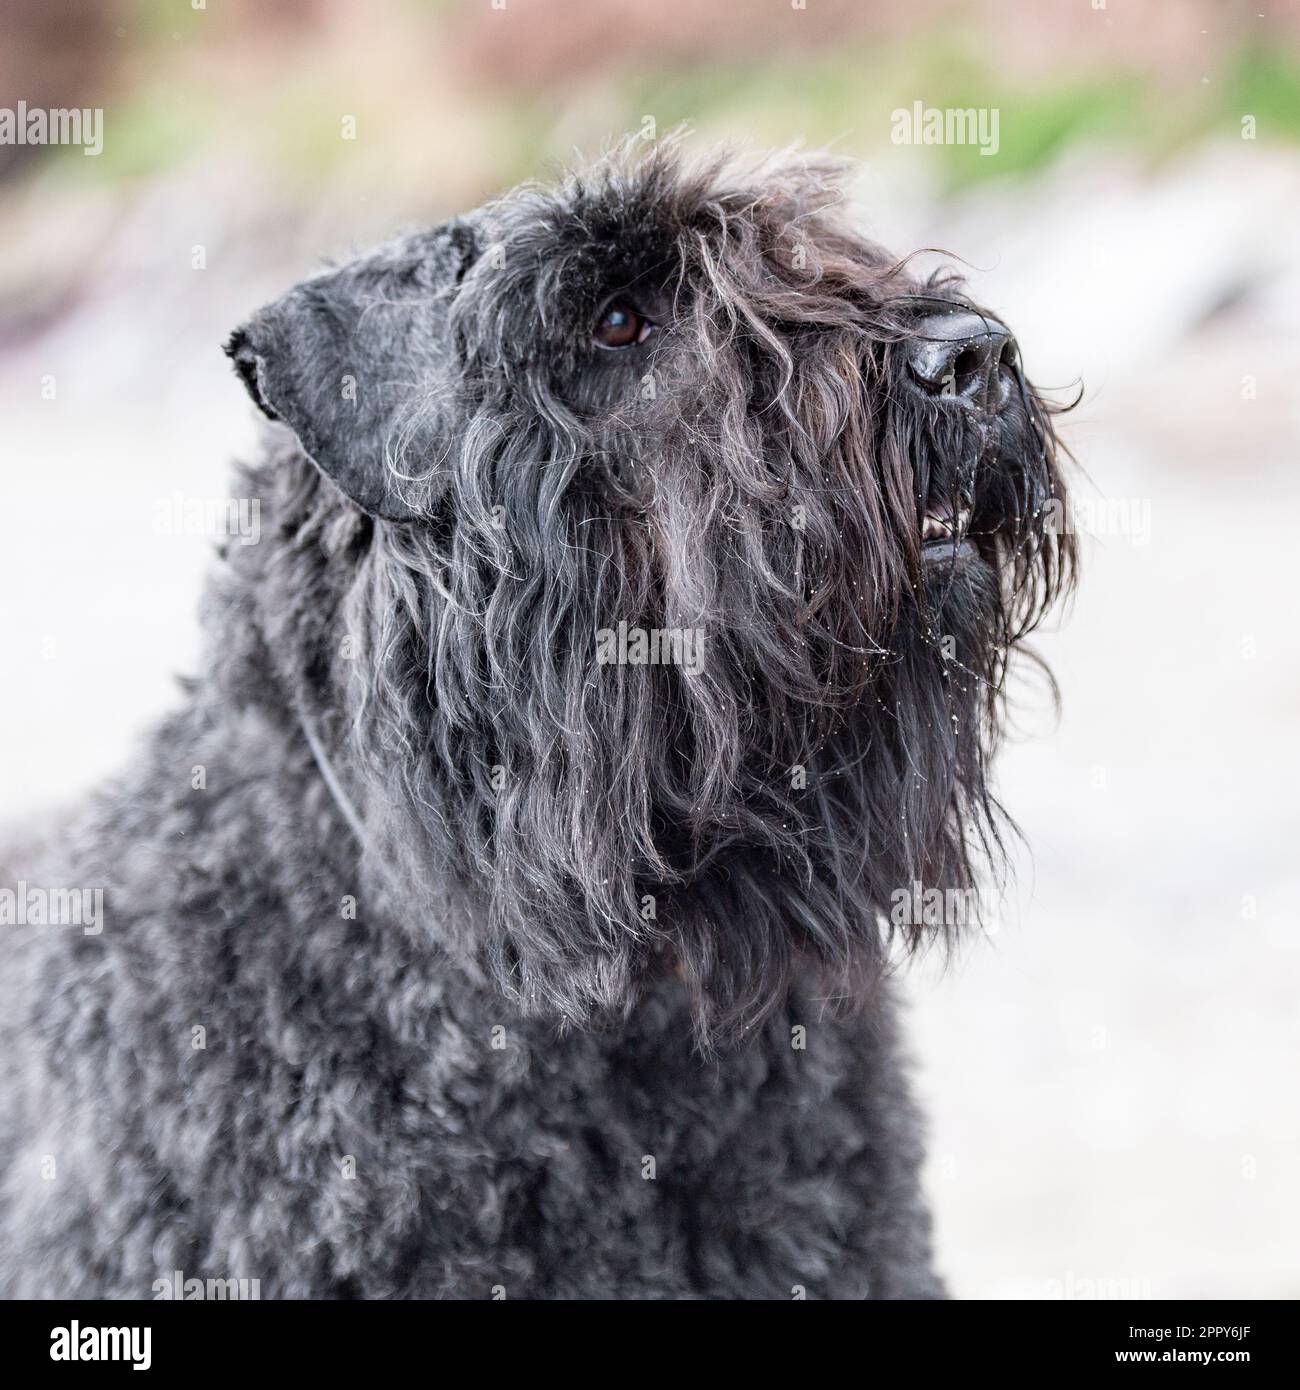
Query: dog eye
620 326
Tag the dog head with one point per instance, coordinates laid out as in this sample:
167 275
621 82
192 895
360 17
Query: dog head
700 533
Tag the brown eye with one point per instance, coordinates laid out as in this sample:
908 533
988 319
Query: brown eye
621 326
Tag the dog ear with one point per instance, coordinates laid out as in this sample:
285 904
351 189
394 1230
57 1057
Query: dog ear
349 361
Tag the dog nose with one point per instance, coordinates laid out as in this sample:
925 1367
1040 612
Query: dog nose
967 356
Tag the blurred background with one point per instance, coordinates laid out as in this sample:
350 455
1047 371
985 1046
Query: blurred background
1111 1074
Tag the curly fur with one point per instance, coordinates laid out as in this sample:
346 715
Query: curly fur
595 904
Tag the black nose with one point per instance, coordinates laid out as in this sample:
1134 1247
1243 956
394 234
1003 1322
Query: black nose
967 356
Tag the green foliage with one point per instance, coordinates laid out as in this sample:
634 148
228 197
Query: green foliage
844 97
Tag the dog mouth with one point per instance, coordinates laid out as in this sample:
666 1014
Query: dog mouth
945 534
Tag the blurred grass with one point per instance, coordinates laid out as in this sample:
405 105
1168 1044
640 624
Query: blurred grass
180 105
1265 83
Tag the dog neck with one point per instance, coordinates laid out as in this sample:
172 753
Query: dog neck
335 787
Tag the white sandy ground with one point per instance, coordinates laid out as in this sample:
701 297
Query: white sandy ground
1111 1076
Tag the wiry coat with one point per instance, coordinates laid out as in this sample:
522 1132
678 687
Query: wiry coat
588 1001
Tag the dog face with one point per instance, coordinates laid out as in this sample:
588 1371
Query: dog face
702 532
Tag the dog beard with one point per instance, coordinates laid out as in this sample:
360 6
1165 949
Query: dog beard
746 816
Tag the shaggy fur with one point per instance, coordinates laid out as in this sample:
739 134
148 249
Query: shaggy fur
572 984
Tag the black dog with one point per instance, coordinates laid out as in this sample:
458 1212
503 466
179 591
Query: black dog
507 907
